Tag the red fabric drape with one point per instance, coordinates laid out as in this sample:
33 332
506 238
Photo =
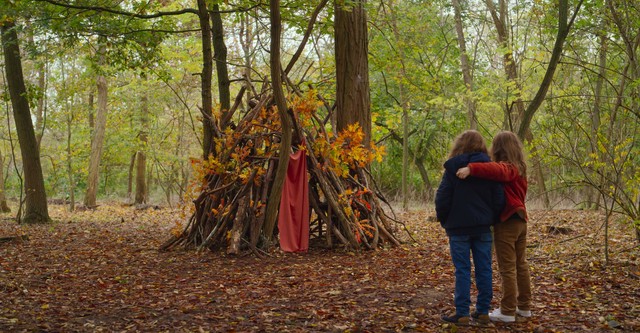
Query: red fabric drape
293 219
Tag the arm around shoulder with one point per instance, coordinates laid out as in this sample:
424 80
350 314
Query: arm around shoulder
497 171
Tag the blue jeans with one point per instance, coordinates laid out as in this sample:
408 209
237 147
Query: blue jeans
461 247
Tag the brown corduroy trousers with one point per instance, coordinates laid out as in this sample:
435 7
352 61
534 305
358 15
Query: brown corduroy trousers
510 239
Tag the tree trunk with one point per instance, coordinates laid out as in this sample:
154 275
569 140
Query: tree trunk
352 67
41 104
246 36
593 197
141 165
69 124
273 203
3 198
206 75
97 140
499 16
72 182
36 210
524 132
466 68
405 111
220 57
132 164
41 70
91 111
564 25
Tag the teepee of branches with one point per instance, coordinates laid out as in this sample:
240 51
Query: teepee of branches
233 184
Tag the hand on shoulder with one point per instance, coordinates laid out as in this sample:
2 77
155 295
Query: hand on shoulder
463 173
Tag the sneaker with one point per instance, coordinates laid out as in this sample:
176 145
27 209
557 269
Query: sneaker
523 313
481 319
497 315
457 319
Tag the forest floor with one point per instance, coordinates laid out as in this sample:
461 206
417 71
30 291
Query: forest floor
101 271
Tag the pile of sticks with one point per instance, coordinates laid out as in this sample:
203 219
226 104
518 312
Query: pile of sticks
229 212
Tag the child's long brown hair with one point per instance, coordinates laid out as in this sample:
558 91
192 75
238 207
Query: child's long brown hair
506 147
470 141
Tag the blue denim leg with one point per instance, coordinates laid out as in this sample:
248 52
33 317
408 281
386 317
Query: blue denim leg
460 247
481 250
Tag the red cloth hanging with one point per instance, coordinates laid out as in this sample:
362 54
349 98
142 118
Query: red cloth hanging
293 218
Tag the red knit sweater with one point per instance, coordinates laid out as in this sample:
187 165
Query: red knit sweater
515 186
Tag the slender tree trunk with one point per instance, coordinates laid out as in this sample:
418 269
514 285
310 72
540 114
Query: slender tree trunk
520 120
141 169
564 25
273 203
91 111
72 182
220 57
41 104
69 158
466 68
97 140
499 16
3 198
593 198
352 67
36 209
206 75
405 109
132 164
246 41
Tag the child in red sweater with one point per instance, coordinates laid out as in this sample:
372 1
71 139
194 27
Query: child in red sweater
510 234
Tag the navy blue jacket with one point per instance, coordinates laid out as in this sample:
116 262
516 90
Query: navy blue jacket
468 206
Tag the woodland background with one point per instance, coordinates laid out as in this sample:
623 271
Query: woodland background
115 100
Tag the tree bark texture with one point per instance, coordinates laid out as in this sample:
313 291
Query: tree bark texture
220 58
70 176
141 161
97 140
206 77
273 204
3 198
36 210
465 67
352 67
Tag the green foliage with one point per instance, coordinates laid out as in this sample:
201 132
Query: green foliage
414 66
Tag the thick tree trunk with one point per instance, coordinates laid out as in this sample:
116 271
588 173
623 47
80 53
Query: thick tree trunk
36 210
41 70
352 67
466 68
97 140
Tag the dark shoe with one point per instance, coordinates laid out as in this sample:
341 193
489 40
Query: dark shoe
457 319
481 319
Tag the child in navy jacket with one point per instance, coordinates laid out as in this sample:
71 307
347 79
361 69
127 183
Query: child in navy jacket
466 210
